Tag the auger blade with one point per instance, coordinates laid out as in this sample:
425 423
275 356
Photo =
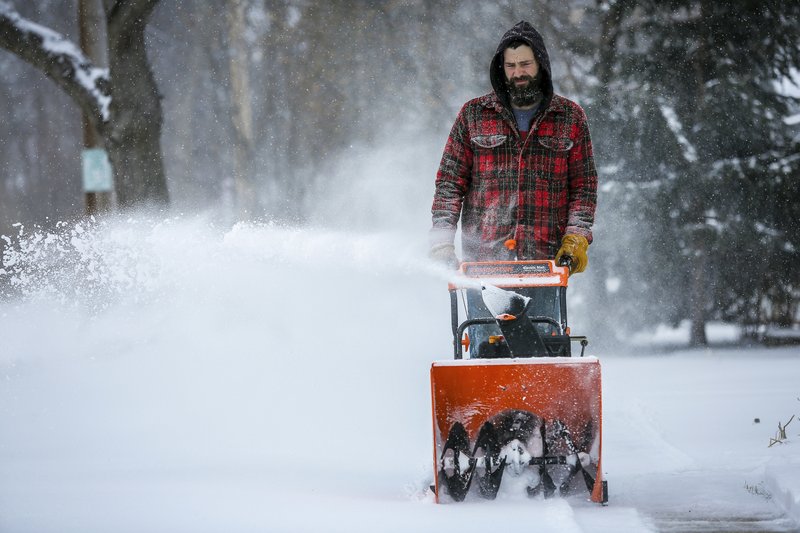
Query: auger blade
456 465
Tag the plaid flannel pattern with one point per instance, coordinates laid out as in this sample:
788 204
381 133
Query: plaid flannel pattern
533 190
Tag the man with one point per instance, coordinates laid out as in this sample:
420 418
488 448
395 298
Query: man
518 167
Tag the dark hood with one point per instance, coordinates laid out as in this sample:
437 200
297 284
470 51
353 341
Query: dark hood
523 31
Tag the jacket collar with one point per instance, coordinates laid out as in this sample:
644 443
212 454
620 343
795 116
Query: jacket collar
492 101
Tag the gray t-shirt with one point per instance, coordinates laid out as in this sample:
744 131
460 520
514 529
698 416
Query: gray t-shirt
524 117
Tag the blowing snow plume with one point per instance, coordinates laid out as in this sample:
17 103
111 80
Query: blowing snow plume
211 328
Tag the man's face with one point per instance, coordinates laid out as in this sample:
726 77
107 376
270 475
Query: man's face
520 66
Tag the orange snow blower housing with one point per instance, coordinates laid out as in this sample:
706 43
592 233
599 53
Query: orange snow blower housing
520 406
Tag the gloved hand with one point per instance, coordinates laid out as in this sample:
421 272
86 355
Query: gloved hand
574 246
445 254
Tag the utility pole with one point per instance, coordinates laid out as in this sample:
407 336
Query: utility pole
97 175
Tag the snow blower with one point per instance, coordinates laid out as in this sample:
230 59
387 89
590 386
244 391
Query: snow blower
520 406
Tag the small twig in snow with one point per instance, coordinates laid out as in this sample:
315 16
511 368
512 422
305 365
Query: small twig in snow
781 435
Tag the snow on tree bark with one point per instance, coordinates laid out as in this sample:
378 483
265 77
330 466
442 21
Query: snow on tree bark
59 59
126 111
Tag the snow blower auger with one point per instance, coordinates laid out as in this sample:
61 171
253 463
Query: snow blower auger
520 406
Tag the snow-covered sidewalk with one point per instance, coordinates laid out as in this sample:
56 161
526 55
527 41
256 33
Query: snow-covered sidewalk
277 380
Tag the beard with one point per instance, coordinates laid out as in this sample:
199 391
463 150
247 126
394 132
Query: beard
528 94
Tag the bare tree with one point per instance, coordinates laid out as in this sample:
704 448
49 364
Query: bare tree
124 107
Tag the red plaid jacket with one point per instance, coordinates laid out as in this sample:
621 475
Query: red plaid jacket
534 190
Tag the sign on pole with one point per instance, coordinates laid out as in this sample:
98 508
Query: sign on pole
97 176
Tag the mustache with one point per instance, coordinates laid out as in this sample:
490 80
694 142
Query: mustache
522 78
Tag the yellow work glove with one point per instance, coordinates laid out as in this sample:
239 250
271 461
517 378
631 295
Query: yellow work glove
574 247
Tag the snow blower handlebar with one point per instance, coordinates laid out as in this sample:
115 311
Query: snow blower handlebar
509 291
454 314
566 261
541 349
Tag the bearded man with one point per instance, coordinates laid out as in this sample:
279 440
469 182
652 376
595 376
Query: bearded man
517 168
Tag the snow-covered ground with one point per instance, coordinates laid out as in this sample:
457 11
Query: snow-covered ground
181 376
192 375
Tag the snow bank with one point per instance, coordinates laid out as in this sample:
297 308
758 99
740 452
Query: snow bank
663 335
782 477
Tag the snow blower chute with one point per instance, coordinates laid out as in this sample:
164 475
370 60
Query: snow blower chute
521 406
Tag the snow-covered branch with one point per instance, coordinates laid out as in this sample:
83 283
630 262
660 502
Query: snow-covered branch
59 58
675 126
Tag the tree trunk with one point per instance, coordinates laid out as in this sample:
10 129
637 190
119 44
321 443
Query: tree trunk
133 135
702 237
611 23
697 335
246 197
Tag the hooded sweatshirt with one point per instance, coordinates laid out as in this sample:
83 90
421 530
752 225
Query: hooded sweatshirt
515 196
525 32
